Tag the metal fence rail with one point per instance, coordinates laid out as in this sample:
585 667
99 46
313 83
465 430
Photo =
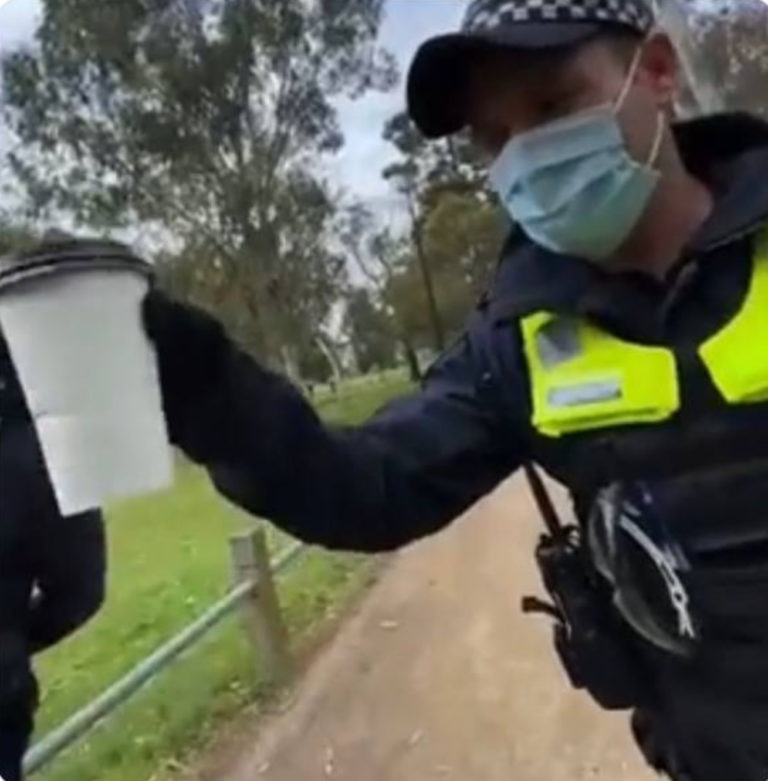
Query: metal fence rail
254 595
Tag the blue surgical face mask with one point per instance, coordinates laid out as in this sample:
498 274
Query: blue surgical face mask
571 184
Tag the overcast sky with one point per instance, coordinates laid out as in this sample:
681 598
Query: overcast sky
17 20
358 166
407 24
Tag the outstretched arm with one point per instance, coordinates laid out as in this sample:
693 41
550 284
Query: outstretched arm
407 473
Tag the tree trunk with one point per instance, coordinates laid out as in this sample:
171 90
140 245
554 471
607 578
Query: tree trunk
327 348
412 359
289 364
429 285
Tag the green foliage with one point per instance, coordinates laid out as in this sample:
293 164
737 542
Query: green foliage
462 236
314 365
449 162
461 239
378 255
438 271
371 332
15 237
203 120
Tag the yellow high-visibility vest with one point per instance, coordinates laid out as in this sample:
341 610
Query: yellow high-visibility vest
583 378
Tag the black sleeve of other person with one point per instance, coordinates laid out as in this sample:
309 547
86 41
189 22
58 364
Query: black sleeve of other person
59 560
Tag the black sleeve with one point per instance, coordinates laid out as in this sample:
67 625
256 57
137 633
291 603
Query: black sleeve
64 558
71 578
407 473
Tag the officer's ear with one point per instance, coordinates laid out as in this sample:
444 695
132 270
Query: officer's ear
659 69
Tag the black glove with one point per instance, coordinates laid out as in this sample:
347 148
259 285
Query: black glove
192 348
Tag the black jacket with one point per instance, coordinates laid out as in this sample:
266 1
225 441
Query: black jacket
61 561
422 461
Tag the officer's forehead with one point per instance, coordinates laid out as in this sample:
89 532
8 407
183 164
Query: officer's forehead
515 65
495 74
500 72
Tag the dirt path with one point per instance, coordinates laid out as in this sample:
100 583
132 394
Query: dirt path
439 676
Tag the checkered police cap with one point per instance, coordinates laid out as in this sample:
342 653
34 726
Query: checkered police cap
437 78
491 14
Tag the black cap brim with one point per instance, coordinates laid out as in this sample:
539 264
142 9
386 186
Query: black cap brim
438 77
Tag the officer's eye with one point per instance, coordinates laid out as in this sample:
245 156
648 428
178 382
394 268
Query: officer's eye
551 107
490 140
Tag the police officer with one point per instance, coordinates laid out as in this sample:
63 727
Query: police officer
51 569
622 346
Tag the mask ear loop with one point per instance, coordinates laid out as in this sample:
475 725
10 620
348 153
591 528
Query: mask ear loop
653 156
629 81
661 126
633 68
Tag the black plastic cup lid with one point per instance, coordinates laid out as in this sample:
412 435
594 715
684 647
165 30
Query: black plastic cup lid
69 256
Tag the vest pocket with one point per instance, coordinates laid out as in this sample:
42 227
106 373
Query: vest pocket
585 379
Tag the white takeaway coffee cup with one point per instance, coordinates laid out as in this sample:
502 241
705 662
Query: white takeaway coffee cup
71 315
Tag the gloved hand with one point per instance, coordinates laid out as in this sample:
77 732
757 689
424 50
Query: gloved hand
192 348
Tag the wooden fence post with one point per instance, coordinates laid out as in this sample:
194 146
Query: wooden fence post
260 610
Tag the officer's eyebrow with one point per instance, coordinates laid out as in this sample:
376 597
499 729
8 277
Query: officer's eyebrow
518 73
517 65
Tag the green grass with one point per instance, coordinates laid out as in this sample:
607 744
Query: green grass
168 562
359 398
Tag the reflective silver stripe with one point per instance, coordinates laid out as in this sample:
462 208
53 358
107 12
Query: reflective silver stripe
584 393
666 565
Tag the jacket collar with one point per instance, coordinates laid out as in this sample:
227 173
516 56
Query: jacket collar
729 151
